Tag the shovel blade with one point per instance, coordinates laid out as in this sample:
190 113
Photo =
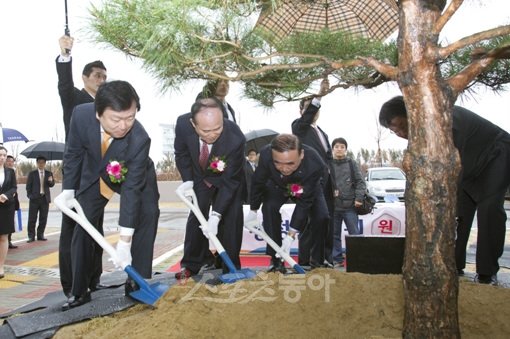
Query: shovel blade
151 294
232 277
147 294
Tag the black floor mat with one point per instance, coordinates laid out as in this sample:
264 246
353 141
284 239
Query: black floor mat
43 318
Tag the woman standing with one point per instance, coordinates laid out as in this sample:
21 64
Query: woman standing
7 193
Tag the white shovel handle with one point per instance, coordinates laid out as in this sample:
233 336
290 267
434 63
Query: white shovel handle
261 233
185 196
81 219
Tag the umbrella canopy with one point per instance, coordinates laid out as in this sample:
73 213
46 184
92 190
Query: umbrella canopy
258 138
51 150
10 134
376 19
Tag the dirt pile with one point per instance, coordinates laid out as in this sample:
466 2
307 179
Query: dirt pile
321 304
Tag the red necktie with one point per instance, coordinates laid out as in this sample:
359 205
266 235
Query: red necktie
204 155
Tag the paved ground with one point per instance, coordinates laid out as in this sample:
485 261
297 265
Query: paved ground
32 269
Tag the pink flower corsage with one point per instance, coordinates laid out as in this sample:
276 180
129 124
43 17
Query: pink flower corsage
217 164
116 171
295 190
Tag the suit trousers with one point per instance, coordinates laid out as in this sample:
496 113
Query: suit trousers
36 206
85 252
318 219
491 219
305 238
230 231
64 256
142 248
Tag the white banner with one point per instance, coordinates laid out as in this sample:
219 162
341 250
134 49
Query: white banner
387 219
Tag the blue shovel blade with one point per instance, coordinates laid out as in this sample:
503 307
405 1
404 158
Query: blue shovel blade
232 277
150 295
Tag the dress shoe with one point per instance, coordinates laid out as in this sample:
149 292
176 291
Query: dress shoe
2 276
76 301
30 240
42 238
486 279
460 272
12 246
277 266
98 286
184 273
339 264
327 264
130 286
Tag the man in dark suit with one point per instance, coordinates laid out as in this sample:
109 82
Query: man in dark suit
311 134
484 150
103 135
93 75
38 186
287 170
249 168
219 89
202 139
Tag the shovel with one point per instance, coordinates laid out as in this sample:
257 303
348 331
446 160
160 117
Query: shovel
234 274
255 228
147 294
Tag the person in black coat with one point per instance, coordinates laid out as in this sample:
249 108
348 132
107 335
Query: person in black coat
289 170
9 162
205 134
249 168
8 189
306 128
93 75
105 136
38 193
484 150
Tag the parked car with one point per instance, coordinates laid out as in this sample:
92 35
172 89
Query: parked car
386 183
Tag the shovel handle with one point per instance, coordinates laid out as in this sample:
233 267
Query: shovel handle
81 219
193 205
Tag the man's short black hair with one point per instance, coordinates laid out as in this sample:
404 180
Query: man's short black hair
395 107
87 70
339 141
40 157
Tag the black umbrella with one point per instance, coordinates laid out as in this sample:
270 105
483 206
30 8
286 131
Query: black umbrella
257 139
51 150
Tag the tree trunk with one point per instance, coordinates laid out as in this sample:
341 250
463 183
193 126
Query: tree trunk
431 163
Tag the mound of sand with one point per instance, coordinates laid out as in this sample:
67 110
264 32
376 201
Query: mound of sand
322 304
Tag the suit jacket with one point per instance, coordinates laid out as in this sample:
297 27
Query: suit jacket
83 164
9 187
309 175
34 185
70 96
302 128
230 146
482 146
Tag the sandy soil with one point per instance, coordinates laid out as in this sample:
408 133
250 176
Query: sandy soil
323 304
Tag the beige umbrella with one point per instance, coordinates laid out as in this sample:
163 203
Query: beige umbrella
376 19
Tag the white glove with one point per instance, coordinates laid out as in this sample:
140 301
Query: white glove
185 187
286 244
212 224
123 254
64 199
251 219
